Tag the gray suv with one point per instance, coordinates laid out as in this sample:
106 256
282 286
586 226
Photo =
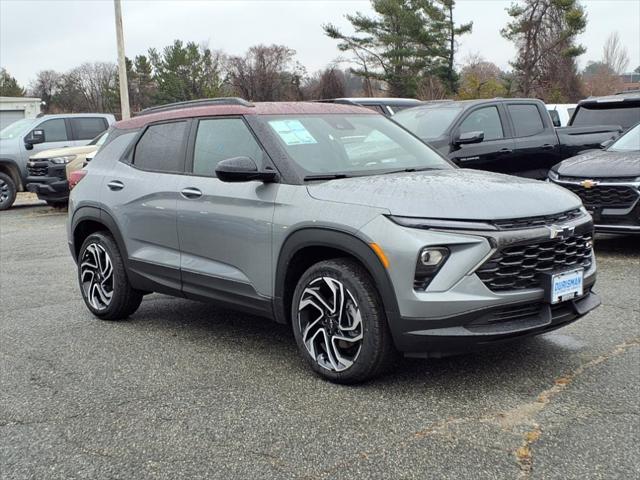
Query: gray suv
330 218
24 138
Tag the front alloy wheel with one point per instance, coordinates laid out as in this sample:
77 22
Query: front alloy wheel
331 324
339 322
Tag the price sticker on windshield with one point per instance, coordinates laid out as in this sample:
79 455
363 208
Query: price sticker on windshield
292 132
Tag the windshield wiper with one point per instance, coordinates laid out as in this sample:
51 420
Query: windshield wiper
325 176
411 169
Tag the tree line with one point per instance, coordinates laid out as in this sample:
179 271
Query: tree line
407 48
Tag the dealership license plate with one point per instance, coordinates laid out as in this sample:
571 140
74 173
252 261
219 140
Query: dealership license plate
566 285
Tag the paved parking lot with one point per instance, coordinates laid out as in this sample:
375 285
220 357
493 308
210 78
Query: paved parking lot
187 390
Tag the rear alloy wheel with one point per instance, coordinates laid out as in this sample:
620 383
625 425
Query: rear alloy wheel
103 280
7 191
339 322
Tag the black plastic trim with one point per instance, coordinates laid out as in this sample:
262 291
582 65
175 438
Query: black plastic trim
347 242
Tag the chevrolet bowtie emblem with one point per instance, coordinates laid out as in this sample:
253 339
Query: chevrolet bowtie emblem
556 231
588 183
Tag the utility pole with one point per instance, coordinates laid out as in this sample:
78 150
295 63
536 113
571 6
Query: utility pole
122 64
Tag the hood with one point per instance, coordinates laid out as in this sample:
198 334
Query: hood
59 152
600 164
450 194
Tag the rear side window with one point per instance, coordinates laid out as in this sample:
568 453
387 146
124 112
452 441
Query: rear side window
626 115
161 148
526 119
87 128
220 139
485 120
54 130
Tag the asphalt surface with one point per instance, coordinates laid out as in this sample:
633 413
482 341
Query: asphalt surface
188 390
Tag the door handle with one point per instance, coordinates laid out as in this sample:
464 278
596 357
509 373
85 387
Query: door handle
115 185
191 193
505 150
547 146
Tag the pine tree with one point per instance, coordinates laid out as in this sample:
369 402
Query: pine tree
9 86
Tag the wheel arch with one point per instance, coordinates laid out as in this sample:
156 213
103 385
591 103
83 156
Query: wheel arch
88 220
10 168
308 246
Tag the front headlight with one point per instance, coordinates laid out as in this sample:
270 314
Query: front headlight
63 159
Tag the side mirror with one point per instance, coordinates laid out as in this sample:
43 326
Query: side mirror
607 143
469 137
556 121
36 136
242 169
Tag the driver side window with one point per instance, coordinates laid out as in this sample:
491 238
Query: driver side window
54 130
485 120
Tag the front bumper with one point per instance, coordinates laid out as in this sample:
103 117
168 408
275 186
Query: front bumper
458 310
430 337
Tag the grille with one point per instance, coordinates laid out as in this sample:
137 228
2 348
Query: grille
537 221
605 196
38 170
521 266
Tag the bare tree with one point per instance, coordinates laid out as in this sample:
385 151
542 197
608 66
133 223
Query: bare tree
97 83
46 86
615 54
266 73
481 79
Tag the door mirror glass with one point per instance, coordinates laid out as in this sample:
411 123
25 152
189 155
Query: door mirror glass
242 169
36 136
469 137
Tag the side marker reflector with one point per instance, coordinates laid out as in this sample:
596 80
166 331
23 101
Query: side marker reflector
380 253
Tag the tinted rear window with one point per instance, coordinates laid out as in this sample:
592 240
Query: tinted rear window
88 128
526 119
161 148
608 114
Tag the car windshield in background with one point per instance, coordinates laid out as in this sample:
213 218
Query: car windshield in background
351 145
607 114
629 142
16 129
427 123
99 140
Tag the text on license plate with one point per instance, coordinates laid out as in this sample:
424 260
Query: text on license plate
566 285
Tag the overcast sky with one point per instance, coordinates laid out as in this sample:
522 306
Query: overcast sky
61 34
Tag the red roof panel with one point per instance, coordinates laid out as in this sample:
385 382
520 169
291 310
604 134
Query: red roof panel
260 108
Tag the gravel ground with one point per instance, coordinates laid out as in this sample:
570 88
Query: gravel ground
188 390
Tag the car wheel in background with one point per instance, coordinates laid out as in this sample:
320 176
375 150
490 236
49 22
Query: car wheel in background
103 280
339 323
7 191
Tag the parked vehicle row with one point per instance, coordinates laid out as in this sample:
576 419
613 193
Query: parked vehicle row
26 138
332 219
608 183
513 136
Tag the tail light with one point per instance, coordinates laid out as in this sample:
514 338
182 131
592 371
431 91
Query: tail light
75 177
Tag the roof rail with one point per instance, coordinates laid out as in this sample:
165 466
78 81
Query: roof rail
203 102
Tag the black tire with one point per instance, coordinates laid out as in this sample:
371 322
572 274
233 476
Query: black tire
124 299
7 191
376 351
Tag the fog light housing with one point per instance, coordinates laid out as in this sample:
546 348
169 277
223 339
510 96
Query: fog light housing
430 260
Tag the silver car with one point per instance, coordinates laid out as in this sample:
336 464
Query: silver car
332 219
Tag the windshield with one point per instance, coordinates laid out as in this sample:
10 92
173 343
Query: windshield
624 114
351 144
99 140
16 129
629 142
427 123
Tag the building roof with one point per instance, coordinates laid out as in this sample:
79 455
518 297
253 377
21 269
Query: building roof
259 108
